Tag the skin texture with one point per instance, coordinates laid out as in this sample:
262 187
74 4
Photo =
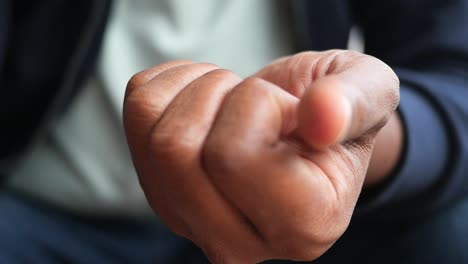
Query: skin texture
268 167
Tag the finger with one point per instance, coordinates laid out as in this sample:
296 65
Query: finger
261 174
177 140
344 94
143 107
244 112
145 104
292 73
141 78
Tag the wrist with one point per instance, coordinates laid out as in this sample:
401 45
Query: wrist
387 152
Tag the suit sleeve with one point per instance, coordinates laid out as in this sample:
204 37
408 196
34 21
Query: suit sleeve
426 43
4 34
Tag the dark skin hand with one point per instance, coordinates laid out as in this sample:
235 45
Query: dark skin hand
268 167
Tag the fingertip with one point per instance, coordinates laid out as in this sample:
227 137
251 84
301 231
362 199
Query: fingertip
324 117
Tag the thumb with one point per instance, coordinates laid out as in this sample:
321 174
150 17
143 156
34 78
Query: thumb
324 114
343 94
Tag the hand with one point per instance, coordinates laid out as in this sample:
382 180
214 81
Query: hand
269 167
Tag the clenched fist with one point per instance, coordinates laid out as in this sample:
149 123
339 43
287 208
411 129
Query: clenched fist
268 167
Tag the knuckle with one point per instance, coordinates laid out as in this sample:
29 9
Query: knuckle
131 102
171 149
253 83
300 68
222 74
139 107
329 62
136 81
339 60
196 68
254 87
144 76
